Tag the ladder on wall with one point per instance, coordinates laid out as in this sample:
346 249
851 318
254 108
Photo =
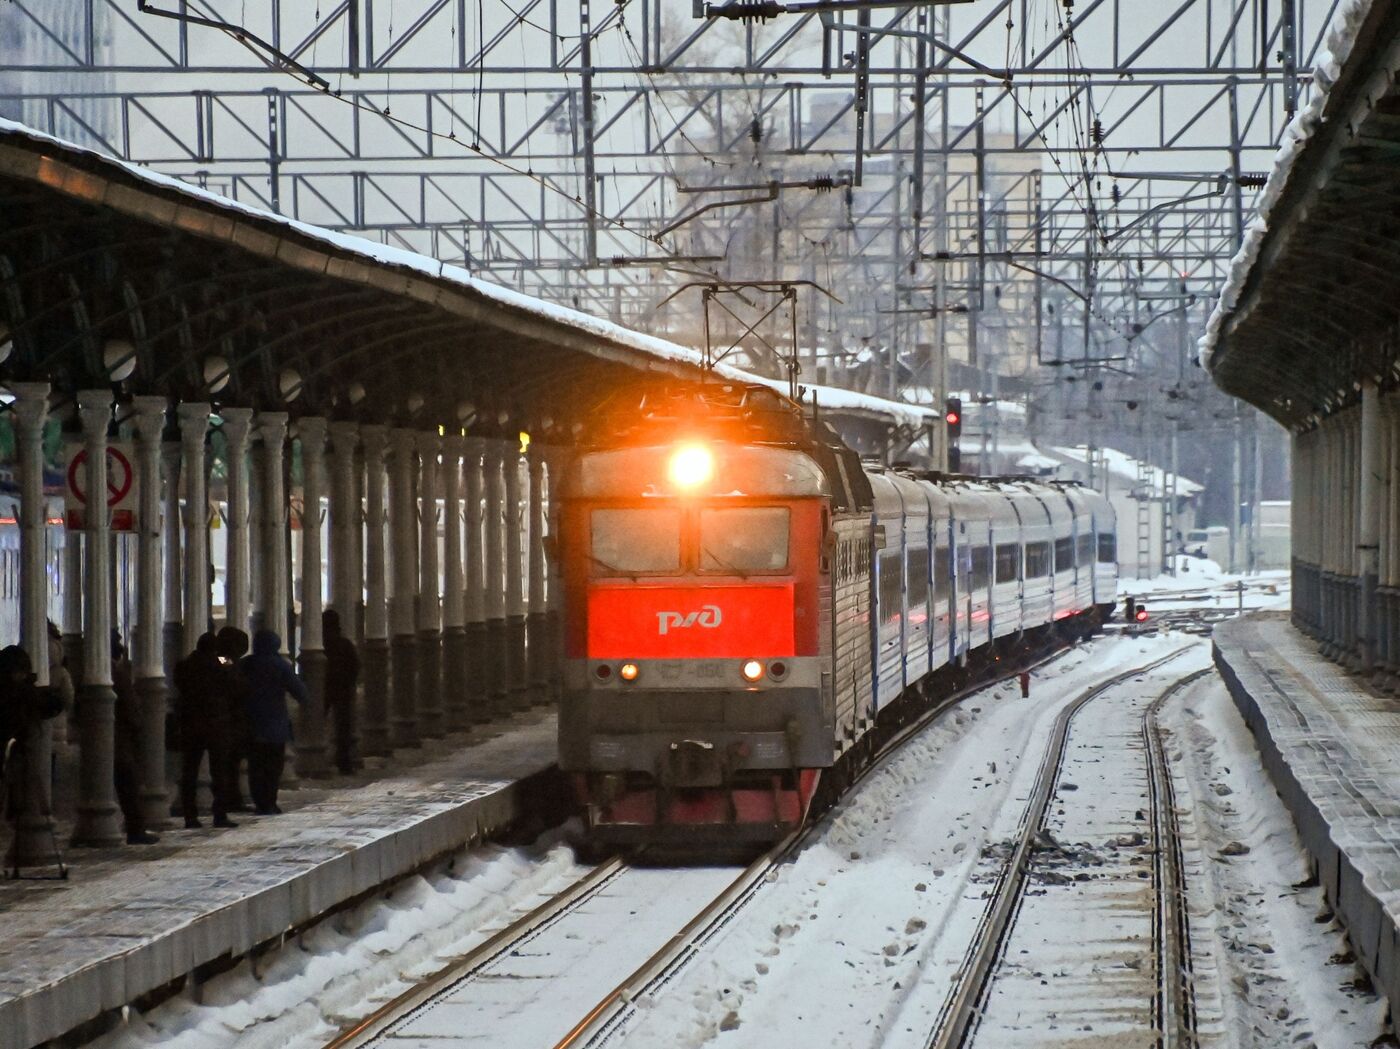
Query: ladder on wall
1144 520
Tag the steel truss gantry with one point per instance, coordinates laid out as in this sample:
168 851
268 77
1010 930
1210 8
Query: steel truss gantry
970 163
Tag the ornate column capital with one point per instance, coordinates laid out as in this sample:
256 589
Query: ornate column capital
312 429
95 411
193 417
345 436
375 439
31 405
149 421
237 423
271 426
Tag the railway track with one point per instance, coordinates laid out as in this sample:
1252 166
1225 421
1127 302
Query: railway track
548 929
1172 1013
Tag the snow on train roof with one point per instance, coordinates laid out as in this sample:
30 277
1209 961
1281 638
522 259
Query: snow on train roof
1341 36
385 255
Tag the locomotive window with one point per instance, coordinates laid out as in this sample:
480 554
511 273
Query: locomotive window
631 541
1037 560
1064 554
940 574
918 578
744 539
1007 558
1108 547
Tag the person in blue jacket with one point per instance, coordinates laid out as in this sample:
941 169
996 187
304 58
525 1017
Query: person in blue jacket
270 678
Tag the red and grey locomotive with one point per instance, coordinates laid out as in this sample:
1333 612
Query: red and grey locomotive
743 599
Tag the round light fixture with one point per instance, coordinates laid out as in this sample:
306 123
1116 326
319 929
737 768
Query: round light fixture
752 670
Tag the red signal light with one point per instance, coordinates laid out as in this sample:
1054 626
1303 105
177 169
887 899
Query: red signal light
1141 615
952 418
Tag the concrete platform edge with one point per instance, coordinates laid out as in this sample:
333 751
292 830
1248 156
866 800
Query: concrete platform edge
60 1007
1370 925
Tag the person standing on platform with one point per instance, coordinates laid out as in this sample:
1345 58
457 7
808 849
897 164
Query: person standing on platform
342 677
233 646
270 680
127 746
203 710
23 705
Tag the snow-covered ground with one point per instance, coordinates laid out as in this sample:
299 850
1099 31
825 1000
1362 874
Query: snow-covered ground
856 939
343 968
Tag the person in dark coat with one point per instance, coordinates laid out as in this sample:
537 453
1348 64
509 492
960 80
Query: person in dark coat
23 705
233 646
126 740
342 676
202 707
270 679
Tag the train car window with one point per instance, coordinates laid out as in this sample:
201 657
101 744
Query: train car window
940 574
1108 547
981 567
918 578
626 542
1086 548
744 539
1064 554
891 603
1037 560
1007 558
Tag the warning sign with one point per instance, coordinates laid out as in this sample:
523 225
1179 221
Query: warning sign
121 486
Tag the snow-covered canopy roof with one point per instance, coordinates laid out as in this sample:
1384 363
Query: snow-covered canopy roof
1314 290
190 277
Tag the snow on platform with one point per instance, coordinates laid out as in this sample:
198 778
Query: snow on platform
130 921
1331 745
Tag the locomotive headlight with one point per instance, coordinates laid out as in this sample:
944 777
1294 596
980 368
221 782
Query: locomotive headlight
628 671
752 670
691 465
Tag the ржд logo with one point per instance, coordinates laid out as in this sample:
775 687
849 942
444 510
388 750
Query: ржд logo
708 617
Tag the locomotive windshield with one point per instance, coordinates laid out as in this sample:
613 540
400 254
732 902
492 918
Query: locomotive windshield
744 539
627 541
731 540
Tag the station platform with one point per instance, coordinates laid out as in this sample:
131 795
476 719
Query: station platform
1331 745
129 922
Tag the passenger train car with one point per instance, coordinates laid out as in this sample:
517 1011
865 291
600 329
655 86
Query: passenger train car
747 604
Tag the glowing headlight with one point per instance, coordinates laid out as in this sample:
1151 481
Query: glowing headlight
691 466
752 670
628 671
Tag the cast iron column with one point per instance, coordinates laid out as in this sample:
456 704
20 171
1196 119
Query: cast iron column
272 506
236 425
429 607
148 664
98 819
194 426
537 622
404 571
454 638
497 679
311 724
479 697
374 655
33 842
517 673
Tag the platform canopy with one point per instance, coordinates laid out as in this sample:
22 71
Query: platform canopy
110 272
1313 304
